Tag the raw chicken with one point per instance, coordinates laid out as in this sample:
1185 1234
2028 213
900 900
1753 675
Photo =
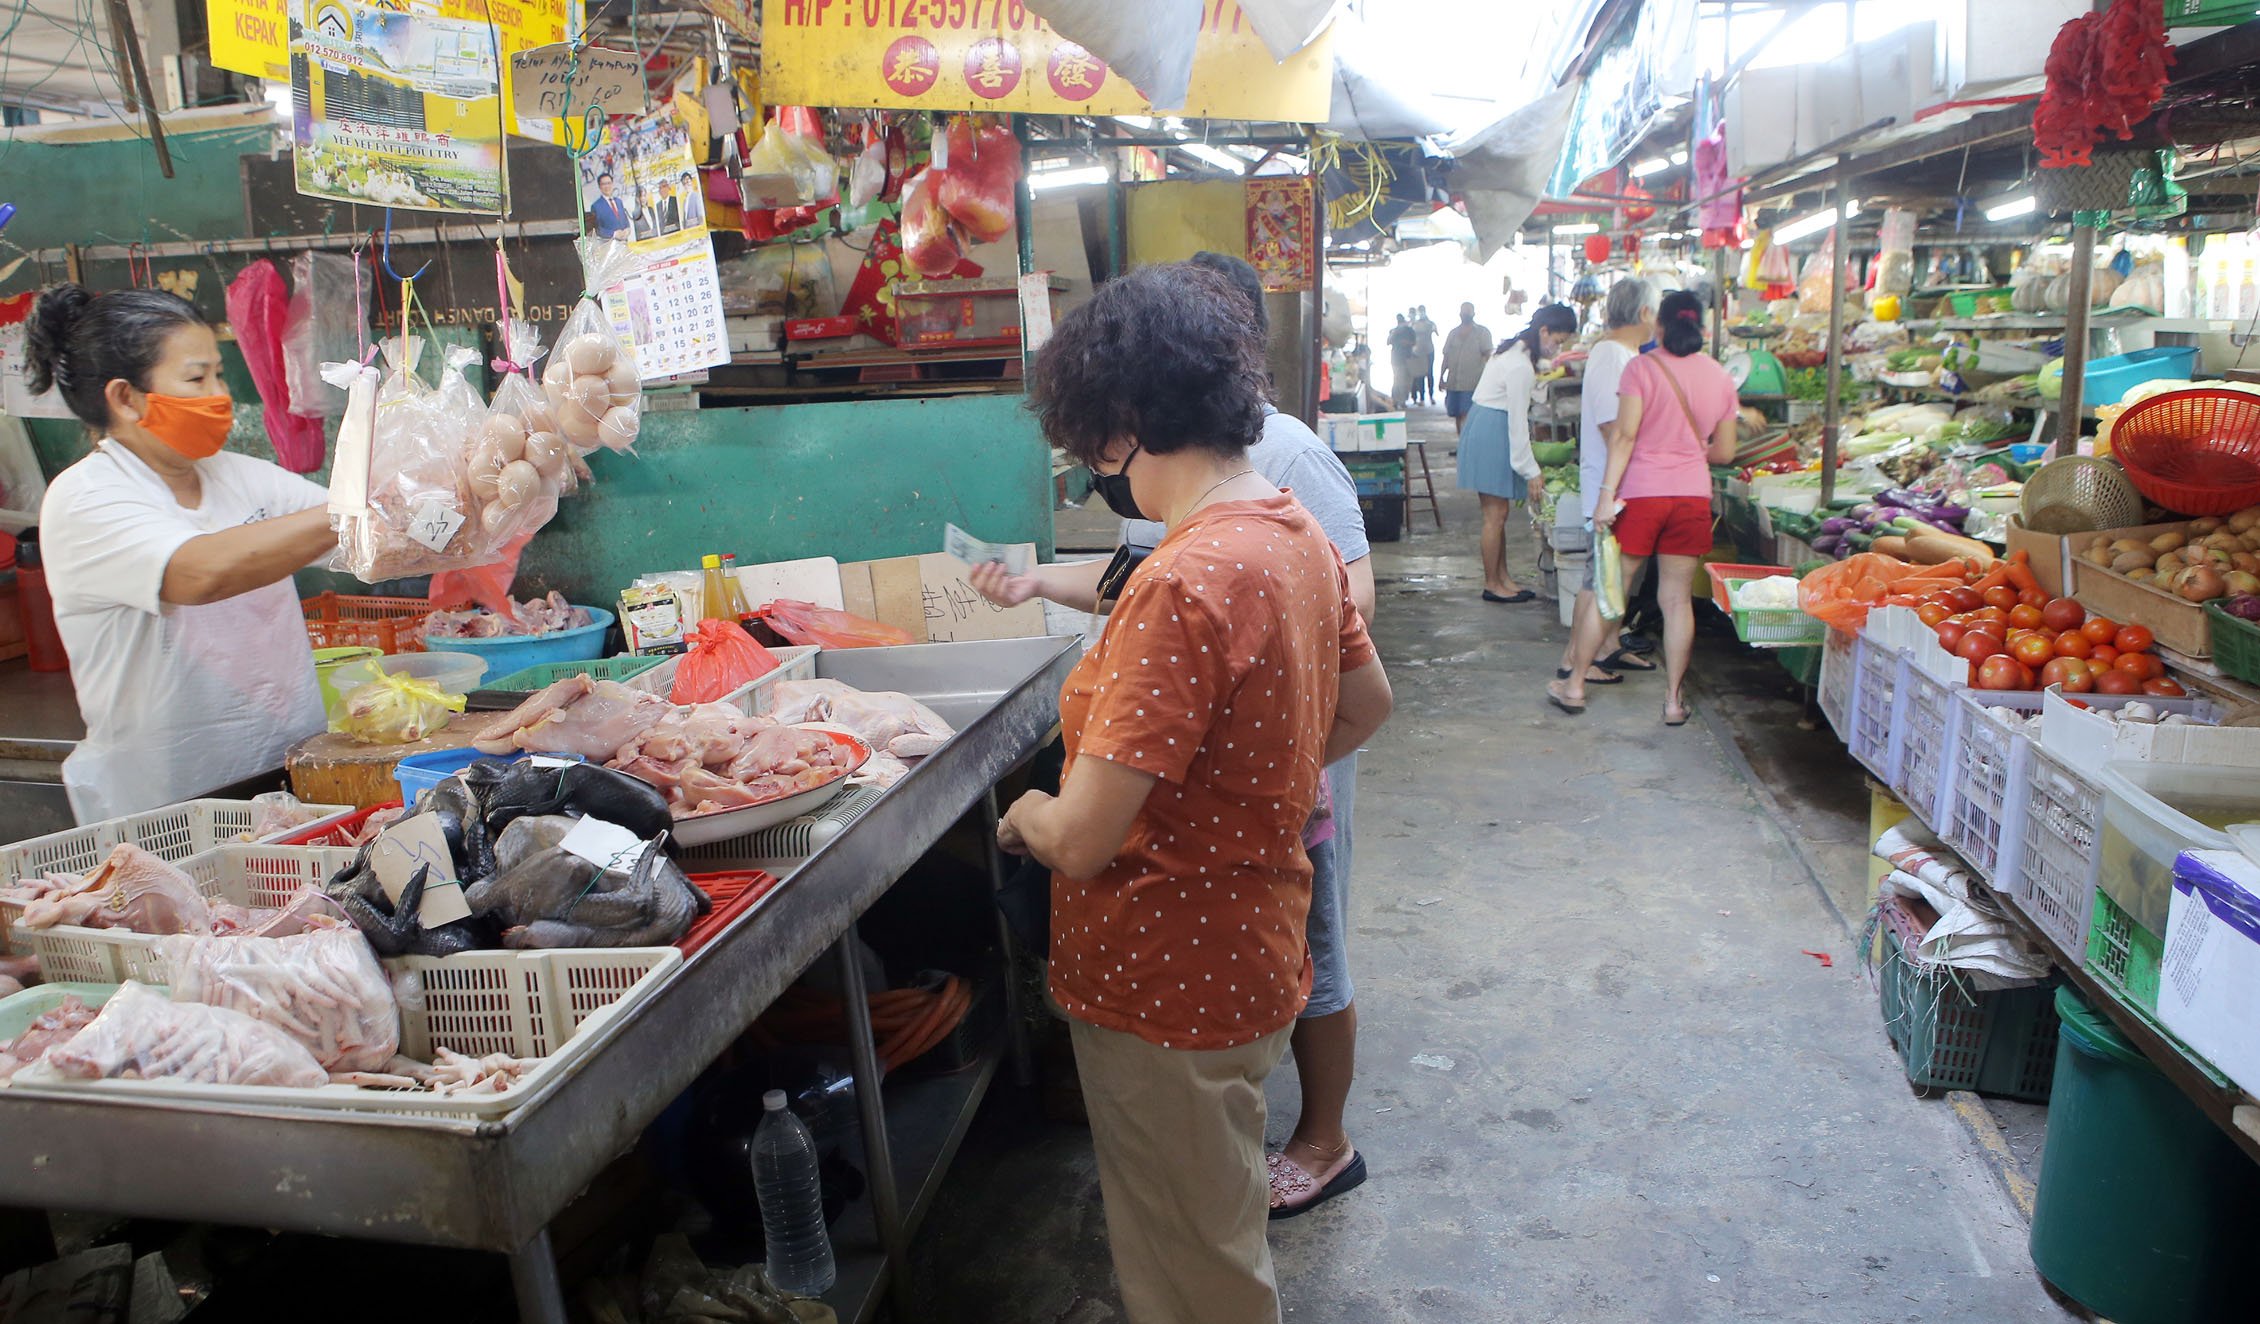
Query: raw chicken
889 722
275 813
449 1072
54 1026
592 718
323 989
755 762
132 890
308 910
535 616
141 1035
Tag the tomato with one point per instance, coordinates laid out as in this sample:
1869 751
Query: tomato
2073 644
1977 646
2033 651
2063 614
2134 639
1964 598
2025 616
1933 613
2002 596
2076 678
2117 682
2102 652
1989 614
2164 688
2003 673
1950 633
2100 629
2099 668
2033 598
2141 666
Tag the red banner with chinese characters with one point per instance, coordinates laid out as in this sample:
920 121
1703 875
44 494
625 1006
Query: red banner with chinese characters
1283 232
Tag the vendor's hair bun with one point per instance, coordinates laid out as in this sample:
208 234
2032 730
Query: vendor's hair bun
47 340
80 342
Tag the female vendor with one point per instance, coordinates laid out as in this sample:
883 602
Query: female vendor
169 559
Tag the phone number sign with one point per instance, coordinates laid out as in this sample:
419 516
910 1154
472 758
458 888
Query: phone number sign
995 55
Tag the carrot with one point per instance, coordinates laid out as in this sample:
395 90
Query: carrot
2020 573
1994 578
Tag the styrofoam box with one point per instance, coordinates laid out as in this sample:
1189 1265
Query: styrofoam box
1901 628
2084 738
1367 432
2209 976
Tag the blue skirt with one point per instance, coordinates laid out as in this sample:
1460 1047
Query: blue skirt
1486 462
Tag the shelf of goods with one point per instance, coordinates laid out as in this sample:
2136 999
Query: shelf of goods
495 1183
2063 810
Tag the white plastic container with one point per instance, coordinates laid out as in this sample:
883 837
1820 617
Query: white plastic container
2085 738
455 673
2209 976
2152 812
243 875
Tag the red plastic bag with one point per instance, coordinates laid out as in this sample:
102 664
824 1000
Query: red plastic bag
826 627
258 305
485 586
977 188
722 657
928 244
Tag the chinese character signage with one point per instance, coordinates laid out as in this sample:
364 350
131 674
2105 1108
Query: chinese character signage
995 55
1283 232
395 110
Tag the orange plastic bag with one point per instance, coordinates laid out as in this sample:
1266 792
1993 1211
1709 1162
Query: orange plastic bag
722 657
1842 593
827 627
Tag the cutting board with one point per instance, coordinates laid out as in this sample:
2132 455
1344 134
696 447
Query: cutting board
339 770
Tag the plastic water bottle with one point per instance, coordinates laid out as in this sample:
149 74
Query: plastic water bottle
792 1201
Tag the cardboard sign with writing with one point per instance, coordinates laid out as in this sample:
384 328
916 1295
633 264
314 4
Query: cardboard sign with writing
546 83
409 845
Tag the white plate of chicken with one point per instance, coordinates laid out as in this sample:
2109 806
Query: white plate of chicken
805 779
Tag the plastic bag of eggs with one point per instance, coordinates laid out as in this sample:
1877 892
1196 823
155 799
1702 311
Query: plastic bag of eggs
594 395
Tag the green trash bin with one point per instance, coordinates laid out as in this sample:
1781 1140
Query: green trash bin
2146 1212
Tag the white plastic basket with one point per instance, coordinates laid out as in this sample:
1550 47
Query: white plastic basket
781 849
1926 714
795 663
551 1005
2062 855
1873 737
1840 674
1984 814
172 833
242 875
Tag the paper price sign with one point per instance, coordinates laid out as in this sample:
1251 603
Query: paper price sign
434 524
548 83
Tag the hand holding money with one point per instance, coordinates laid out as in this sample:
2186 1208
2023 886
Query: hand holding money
992 581
974 551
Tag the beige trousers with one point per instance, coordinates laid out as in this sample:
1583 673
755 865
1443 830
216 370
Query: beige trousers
1179 1137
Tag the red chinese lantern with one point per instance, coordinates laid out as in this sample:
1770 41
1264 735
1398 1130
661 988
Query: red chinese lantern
1596 248
1639 205
1629 244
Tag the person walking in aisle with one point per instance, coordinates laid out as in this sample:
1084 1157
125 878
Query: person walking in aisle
1466 350
1496 461
1630 313
1318 1161
1178 888
1401 379
1675 418
1424 353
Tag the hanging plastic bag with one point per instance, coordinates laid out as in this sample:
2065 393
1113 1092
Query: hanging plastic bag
721 657
1608 577
328 297
395 710
867 174
1841 594
1815 285
791 150
519 462
407 509
257 307
927 244
984 170
828 627
485 586
779 280
594 390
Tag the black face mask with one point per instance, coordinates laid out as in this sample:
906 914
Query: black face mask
1114 489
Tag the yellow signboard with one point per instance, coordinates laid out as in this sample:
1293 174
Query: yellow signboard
253 36
994 55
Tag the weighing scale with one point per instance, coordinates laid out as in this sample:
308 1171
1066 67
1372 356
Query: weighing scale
1752 366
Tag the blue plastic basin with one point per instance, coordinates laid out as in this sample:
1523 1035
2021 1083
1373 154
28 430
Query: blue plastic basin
516 652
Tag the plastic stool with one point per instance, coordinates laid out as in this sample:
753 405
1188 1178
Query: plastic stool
1423 487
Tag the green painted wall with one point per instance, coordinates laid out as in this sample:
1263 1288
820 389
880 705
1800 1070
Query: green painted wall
112 192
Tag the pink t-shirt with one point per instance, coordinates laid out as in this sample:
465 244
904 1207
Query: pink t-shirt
1667 458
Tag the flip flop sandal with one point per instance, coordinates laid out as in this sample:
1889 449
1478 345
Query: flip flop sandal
1290 1183
1688 712
1524 596
1562 673
1624 659
1573 709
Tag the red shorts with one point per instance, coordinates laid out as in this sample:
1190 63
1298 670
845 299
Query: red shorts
1665 526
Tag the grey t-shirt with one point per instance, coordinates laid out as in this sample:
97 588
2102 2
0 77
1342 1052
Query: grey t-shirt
1291 456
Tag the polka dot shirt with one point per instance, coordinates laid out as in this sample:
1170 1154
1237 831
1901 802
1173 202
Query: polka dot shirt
1218 673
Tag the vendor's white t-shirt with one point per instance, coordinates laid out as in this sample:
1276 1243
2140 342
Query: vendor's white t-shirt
1604 369
177 700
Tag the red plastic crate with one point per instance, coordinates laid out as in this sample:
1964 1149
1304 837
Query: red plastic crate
333 834
339 620
733 894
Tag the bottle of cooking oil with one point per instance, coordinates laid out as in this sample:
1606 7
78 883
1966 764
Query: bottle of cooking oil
739 609
714 598
2247 295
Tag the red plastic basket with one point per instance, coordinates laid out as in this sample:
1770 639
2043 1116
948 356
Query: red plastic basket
338 620
732 894
339 833
2194 452
1721 572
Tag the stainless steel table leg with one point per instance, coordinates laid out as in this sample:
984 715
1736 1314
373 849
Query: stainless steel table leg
533 1272
1023 1067
878 1156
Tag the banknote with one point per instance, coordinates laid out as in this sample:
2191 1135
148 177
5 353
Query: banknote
973 551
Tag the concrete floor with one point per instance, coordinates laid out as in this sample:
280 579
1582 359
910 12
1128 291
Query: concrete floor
1601 1078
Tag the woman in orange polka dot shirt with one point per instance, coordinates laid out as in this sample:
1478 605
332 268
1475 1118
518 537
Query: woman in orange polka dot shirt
1233 669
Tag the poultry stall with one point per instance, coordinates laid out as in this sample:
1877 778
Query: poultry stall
495 1184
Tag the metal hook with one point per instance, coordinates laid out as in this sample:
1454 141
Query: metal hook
387 253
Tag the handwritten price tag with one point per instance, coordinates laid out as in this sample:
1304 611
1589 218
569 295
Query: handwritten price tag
434 524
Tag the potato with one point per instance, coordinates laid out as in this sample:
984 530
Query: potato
2169 563
2205 525
2142 576
590 353
2166 542
2126 561
2242 521
2225 541
2128 545
2245 561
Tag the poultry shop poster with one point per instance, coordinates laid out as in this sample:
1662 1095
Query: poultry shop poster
395 110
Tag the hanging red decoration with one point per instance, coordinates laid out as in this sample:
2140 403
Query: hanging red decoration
1640 205
2105 72
1629 244
1596 248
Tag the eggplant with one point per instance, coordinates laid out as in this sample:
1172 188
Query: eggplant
1834 525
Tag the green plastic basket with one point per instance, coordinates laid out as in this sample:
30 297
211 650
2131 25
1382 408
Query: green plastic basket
2124 956
2236 644
1785 627
1949 1038
1965 302
541 675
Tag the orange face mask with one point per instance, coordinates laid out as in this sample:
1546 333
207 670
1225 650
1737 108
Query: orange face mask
194 425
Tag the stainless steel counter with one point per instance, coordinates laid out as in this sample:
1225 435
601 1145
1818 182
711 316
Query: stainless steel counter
496 1185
